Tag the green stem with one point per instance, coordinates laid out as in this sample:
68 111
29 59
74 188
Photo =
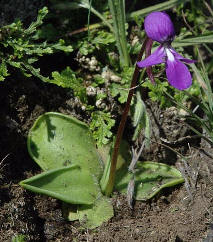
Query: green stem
122 28
117 9
113 8
110 185
105 21
88 19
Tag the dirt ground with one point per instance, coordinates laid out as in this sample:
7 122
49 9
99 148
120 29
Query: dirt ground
183 213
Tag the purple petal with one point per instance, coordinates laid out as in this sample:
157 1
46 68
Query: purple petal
159 27
180 57
178 74
155 58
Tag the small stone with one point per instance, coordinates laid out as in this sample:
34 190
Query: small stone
91 91
83 108
182 112
115 78
135 40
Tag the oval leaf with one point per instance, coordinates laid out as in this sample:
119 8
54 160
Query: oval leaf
58 140
150 178
69 184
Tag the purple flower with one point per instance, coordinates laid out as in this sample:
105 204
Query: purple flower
159 27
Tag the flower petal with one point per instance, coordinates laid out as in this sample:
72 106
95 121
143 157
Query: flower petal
178 74
155 58
180 57
159 27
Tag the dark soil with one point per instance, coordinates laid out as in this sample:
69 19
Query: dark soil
24 10
183 213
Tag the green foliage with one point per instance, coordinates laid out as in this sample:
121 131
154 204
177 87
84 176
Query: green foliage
65 150
156 92
67 5
99 41
122 89
68 79
65 181
117 10
63 147
100 126
47 32
90 216
140 119
98 80
150 178
19 238
3 71
71 138
103 38
21 48
85 47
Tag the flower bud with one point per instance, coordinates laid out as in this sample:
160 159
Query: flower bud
159 27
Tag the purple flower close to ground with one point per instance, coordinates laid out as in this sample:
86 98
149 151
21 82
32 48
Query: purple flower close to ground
159 27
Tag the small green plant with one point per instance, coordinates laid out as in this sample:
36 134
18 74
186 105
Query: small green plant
21 48
157 92
75 172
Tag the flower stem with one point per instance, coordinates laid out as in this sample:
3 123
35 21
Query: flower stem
110 185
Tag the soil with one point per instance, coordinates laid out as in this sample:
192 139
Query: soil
183 213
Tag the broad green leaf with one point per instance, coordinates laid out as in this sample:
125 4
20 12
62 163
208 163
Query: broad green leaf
70 184
150 178
91 216
58 140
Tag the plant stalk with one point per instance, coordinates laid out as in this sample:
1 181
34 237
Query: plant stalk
110 185
117 10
